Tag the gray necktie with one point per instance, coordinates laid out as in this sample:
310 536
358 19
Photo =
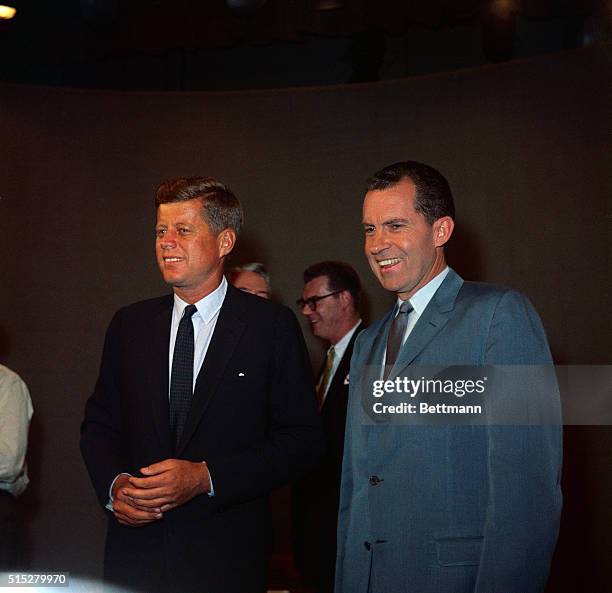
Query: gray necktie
396 336
181 380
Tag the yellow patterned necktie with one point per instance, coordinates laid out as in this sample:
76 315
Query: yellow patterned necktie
325 375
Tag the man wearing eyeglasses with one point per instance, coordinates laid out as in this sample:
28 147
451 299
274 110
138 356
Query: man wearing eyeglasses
330 300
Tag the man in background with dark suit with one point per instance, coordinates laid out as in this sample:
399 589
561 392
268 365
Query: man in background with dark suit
204 404
445 504
330 301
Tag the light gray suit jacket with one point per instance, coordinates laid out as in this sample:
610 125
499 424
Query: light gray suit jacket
450 509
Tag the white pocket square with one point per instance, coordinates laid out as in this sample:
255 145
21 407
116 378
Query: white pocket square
346 380
241 374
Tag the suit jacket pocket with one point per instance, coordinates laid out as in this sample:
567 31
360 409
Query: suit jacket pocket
458 551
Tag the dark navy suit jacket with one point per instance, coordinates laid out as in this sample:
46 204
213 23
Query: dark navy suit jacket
315 498
253 419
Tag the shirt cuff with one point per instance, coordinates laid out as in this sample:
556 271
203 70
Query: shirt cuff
109 504
212 488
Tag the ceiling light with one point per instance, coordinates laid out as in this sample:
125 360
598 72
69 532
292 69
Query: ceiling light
7 12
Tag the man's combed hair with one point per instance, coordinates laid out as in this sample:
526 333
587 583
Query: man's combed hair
256 267
221 209
434 198
340 276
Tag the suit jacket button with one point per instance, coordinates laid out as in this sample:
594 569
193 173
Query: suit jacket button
375 480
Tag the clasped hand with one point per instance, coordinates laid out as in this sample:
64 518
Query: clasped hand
165 485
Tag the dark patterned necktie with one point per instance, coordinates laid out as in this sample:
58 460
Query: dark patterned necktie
396 336
181 380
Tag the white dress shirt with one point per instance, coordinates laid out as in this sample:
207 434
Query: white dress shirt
339 349
419 301
15 413
204 321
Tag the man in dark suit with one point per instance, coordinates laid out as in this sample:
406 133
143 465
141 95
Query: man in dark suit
204 403
330 301
447 504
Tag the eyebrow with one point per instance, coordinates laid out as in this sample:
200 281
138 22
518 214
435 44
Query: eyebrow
175 224
390 221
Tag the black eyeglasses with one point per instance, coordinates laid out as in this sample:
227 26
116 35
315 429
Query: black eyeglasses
312 301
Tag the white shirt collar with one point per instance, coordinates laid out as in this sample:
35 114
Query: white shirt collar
208 306
339 349
420 299
342 343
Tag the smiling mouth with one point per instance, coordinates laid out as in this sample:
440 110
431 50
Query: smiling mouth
387 263
172 260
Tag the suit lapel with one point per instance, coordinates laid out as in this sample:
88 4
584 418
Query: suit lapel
430 323
380 340
229 328
158 372
373 348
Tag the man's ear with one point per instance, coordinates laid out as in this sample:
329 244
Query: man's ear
226 241
442 230
345 298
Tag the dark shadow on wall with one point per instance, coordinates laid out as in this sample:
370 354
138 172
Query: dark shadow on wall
365 308
581 561
249 248
5 344
464 252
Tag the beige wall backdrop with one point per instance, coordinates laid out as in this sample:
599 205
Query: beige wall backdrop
525 146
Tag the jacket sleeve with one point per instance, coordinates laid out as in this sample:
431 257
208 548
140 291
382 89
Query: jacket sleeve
349 470
101 437
524 461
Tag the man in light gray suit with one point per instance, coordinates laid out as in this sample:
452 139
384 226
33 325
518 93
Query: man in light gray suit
442 507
